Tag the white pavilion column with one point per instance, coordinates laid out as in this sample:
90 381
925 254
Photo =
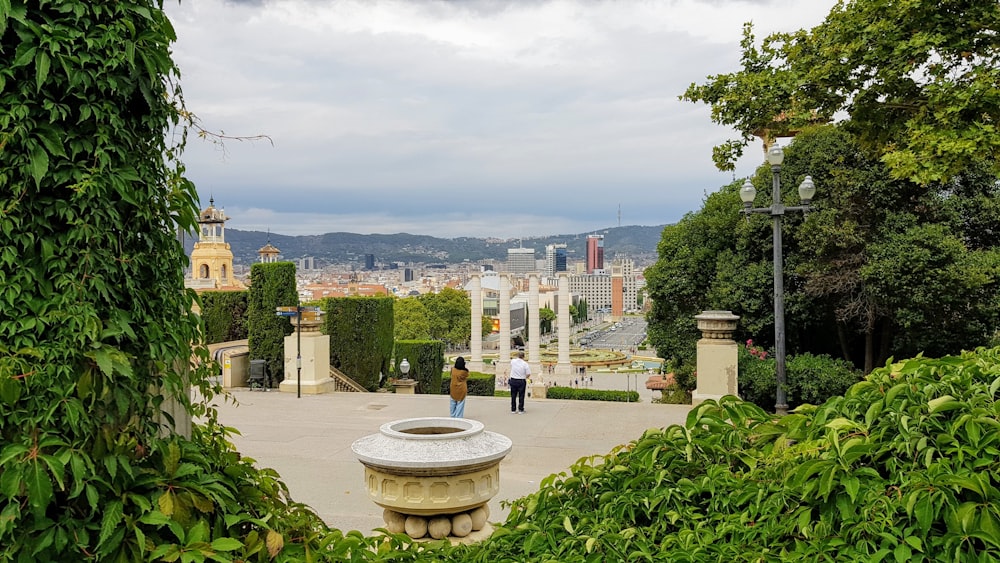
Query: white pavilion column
563 366
476 340
534 331
503 360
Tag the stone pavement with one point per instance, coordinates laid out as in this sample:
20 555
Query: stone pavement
308 440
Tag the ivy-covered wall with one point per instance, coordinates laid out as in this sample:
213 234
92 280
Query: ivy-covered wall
225 315
272 285
360 330
426 358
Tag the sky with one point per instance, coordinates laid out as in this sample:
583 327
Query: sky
450 118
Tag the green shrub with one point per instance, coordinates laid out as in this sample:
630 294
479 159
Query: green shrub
360 331
426 358
225 315
903 467
272 285
808 378
480 384
558 392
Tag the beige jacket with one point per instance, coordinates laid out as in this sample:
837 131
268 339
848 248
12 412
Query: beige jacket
458 386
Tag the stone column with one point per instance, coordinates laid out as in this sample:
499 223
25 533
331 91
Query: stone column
717 356
476 340
563 366
315 349
534 330
503 358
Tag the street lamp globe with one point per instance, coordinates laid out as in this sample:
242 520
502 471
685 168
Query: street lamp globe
807 189
404 368
775 155
748 193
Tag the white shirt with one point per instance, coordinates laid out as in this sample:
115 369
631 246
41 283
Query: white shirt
519 369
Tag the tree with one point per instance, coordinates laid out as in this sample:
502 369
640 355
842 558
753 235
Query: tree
450 315
880 267
271 286
916 78
545 318
410 320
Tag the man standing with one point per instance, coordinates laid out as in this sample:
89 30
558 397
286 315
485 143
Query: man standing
519 372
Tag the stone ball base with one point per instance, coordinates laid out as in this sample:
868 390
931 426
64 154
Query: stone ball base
439 526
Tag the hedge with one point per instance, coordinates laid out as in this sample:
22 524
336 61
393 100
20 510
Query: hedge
480 384
360 330
808 378
559 392
426 358
272 285
225 315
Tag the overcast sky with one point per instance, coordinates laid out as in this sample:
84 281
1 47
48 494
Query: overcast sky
507 118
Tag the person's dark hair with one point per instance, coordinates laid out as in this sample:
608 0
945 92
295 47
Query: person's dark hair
460 363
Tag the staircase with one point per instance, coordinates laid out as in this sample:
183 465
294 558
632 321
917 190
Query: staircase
344 383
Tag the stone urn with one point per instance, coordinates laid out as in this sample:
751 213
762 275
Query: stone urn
433 476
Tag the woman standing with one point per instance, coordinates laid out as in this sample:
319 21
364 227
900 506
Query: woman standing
459 388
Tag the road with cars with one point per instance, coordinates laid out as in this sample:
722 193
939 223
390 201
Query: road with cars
623 335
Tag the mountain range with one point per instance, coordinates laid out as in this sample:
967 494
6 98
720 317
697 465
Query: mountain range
638 242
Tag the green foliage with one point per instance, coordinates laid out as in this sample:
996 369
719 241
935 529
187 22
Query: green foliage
410 320
480 384
880 267
450 315
903 467
272 285
911 75
546 317
558 392
360 330
225 315
426 359
809 379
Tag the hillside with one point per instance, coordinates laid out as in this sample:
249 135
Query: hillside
636 241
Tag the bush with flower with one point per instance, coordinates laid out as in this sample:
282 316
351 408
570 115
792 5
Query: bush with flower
808 378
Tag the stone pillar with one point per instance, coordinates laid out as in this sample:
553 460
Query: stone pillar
563 366
534 330
476 340
503 358
315 349
717 356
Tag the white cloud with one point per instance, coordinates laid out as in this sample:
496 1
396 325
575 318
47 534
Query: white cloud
479 117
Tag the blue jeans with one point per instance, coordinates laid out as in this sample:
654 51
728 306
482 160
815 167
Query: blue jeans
457 408
517 388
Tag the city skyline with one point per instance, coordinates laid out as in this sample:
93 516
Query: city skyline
492 118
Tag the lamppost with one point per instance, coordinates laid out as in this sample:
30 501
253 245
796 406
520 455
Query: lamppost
775 155
296 311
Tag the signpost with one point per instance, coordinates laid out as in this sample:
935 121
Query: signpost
296 311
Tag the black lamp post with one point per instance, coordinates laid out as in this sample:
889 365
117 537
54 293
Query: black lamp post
775 155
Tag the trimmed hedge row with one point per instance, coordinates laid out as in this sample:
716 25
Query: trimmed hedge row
272 285
225 315
480 384
592 395
426 358
360 331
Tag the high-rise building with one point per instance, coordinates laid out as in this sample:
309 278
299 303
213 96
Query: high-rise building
595 253
520 260
407 275
369 261
307 263
555 259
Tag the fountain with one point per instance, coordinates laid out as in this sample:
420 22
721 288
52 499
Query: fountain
433 476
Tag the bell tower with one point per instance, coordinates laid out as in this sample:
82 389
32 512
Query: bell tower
212 259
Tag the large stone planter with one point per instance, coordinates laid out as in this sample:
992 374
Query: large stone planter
425 470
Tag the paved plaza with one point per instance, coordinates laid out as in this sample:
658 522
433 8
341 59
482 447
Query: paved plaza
308 440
